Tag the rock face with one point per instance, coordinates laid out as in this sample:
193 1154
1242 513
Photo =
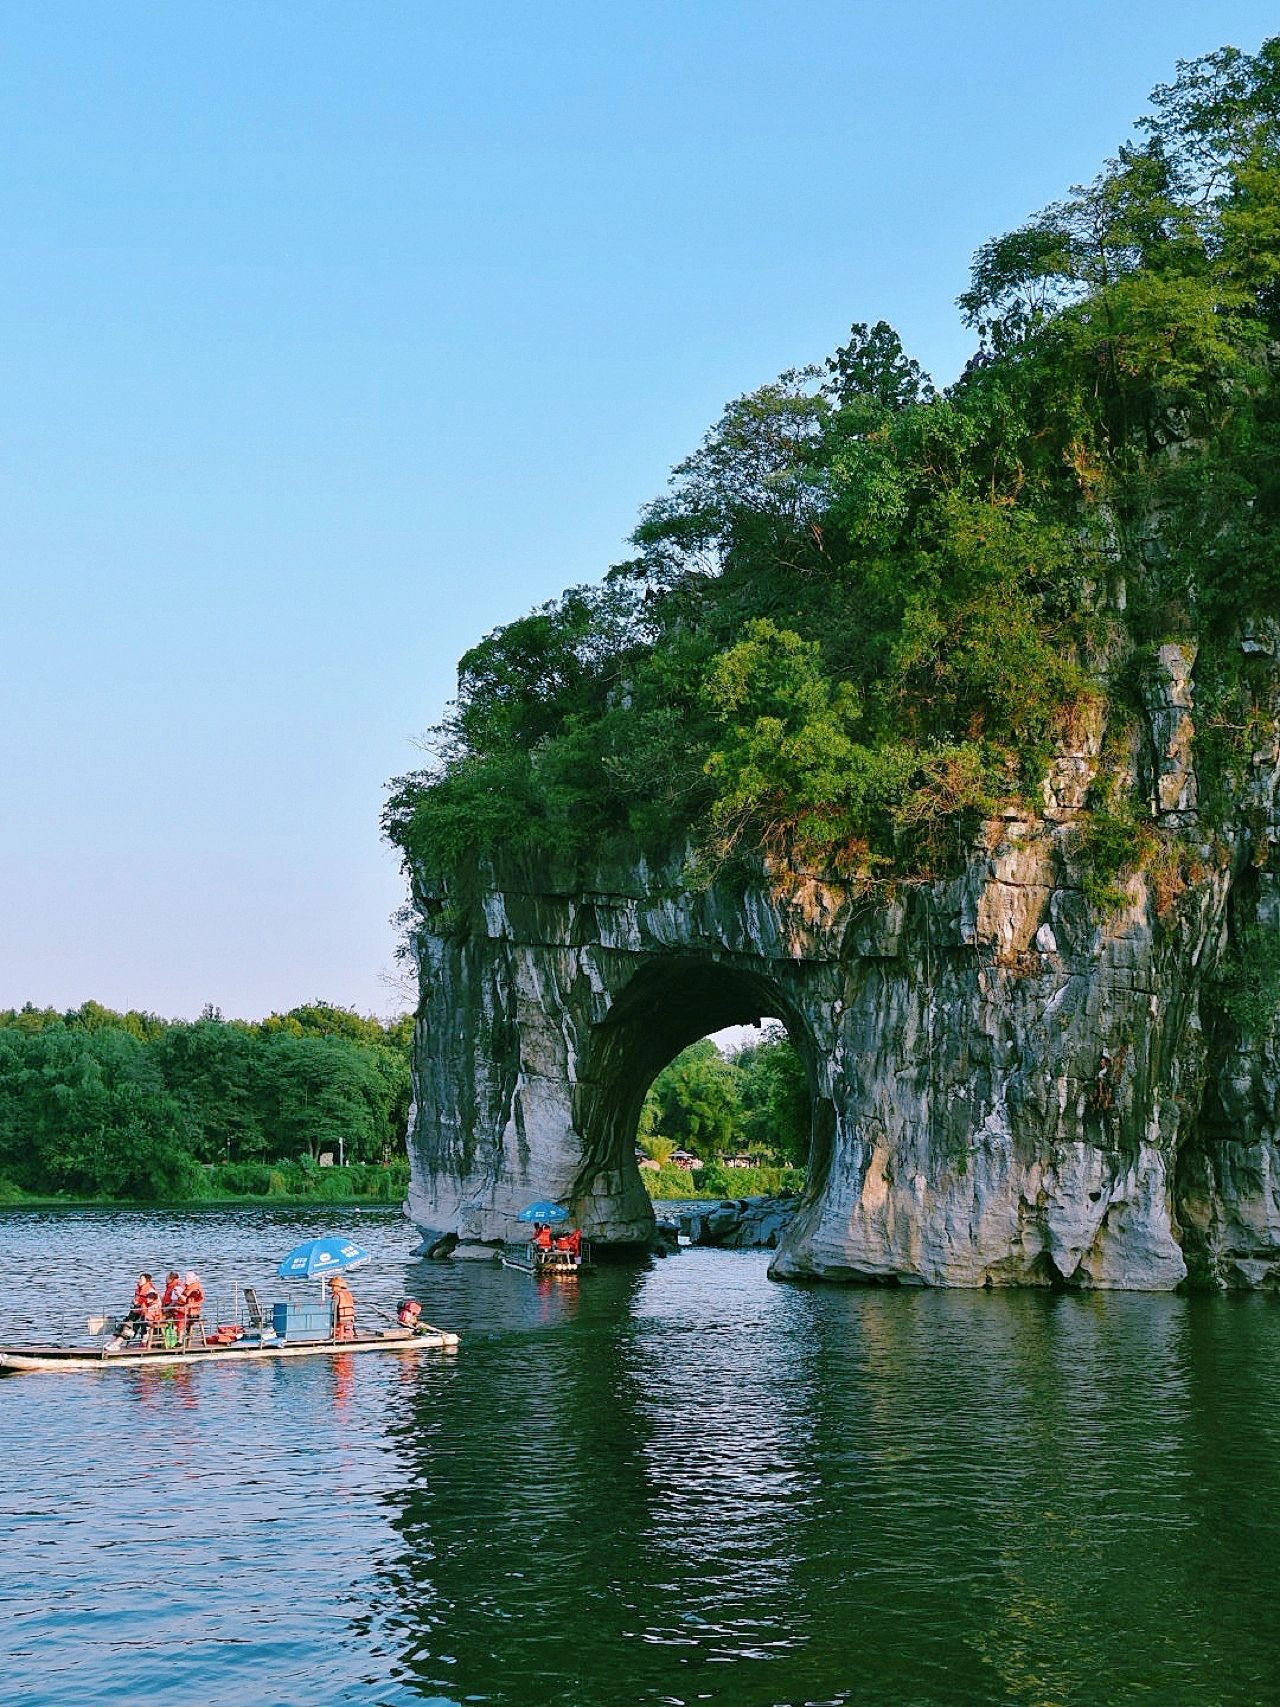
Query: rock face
1009 1085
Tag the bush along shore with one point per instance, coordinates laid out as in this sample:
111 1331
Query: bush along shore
127 1107
282 1184
714 1181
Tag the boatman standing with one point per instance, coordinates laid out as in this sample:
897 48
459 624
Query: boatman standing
344 1308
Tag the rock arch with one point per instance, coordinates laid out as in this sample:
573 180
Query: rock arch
1009 1086
544 1021
669 1003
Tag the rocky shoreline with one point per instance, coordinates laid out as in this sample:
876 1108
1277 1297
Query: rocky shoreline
731 1223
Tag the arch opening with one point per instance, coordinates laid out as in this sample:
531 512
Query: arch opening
668 1006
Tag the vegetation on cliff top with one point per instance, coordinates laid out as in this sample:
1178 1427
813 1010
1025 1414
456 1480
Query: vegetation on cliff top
865 609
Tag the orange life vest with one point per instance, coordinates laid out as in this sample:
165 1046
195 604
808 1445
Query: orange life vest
344 1310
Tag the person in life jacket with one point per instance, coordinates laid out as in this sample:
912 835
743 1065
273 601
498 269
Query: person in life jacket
192 1299
541 1236
147 1312
144 1312
173 1300
344 1308
571 1242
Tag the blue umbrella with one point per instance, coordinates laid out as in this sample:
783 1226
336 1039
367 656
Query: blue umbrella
544 1212
322 1256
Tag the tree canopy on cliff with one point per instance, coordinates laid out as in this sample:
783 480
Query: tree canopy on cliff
865 609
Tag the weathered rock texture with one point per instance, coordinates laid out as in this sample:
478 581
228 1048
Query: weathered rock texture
1010 1086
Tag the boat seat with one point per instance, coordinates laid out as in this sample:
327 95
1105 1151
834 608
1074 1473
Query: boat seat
259 1323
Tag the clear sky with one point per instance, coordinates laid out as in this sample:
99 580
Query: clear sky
334 335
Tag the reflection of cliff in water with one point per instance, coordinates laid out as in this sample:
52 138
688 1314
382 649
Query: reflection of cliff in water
689 1484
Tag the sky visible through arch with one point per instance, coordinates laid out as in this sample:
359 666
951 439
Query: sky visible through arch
334 336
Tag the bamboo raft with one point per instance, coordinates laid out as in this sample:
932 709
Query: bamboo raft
547 1265
18 1359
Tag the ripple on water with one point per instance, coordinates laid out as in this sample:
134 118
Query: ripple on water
674 1485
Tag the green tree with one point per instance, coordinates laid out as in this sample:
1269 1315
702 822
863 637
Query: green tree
864 612
774 1093
697 1103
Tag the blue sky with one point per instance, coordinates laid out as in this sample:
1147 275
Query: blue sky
334 335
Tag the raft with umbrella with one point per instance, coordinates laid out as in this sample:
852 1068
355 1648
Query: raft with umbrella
288 1330
565 1259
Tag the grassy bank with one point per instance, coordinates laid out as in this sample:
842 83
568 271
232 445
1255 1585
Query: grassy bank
281 1184
713 1181
287 1185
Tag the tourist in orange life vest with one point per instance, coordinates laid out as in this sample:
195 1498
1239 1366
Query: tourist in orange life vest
541 1236
192 1299
147 1308
143 1313
173 1301
146 1311
571 1242
344 1308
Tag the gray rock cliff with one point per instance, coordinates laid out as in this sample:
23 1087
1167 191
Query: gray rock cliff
1010 1085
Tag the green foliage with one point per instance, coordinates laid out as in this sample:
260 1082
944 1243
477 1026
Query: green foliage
714 1105
1110 844
297 1181
694 1102
774 1093
126 1107
652 1144
1249 980
864 611
673 1184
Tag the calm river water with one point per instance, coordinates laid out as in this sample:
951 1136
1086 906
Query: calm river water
675 1485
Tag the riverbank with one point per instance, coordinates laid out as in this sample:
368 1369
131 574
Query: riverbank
732 1224
279 1185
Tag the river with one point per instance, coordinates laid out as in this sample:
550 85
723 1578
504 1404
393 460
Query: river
669 1485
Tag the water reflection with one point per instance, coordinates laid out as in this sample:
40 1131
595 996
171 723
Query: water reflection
674 1485
771 1496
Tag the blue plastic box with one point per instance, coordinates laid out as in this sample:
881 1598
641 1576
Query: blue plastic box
301 1321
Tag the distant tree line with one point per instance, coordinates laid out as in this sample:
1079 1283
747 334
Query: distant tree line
129 1106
